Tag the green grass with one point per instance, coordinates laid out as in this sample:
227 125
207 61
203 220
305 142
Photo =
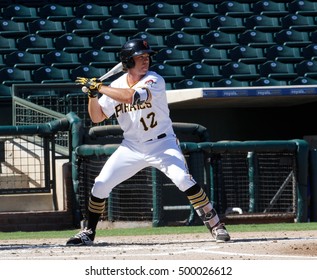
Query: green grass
161 230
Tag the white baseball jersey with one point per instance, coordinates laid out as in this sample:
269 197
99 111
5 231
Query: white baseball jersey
141 122
141 148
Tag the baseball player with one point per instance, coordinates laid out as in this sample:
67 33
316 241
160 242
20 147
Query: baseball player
138 100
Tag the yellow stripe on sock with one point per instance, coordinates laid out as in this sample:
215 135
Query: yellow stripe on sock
96 207
199 200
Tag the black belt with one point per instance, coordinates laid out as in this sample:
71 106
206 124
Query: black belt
158 137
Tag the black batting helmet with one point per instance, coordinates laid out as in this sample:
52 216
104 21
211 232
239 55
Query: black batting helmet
133 48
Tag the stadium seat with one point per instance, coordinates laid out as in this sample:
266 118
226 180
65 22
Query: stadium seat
299 22
310 52
92 11
173 56
191 25
119 26
234 9
163 10
293 38
266 81
56 12
263 23
256 38
303 81
107 41
23 60
7 45
284 53
191 83
307 68
210 55
20 13
226 24
269 8
247 54
50 74
5 91
239 71
12 29
82 27
228 82
170 73
219 39
34 43
183 41
13 75
128 10
198 9
155 41
72 43
277 70
61 59
202 72
303 7
87 71
46 28
155 25
99 58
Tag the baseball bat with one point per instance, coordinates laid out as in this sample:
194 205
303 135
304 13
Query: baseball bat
114 70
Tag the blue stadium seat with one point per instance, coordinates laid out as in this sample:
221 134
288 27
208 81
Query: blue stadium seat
191 83
202 72
256 38
199 9
266 81
170 73
12 29
226 24
173 56
303 81
269 8
7 45
56 12
293 38
87 71
13 75
99 58
234 9
20 13
299 22
183 41
128 10
119 26
191 25
247 54
229 82
46 28
50 74
156 41
72 43
163 10
23 60
278 70
108 42
155 25
307 68
61 59
82 27
239 71
219 39
310 52
92 11
34 43
263 23
284 53
210 55
302 7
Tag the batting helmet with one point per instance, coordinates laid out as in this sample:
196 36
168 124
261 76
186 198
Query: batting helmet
133 48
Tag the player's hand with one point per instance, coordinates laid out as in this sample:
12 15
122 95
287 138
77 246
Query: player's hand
93 84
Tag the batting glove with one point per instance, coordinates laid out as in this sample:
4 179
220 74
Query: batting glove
93 85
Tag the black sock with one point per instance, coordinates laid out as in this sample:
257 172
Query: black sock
96 207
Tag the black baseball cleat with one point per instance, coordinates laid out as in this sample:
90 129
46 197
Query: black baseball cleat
220 233
84 238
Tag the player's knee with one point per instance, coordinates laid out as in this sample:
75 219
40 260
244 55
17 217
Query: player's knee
100 190
183 182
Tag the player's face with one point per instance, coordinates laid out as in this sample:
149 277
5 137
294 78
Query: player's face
142 62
